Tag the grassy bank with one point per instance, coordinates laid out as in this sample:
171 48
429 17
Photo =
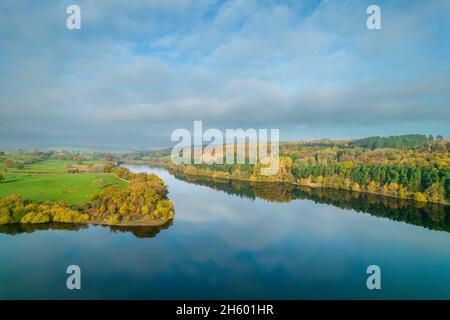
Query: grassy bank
67 187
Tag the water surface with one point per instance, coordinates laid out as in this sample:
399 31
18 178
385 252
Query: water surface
237 240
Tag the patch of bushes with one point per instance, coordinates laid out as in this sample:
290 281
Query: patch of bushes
14 209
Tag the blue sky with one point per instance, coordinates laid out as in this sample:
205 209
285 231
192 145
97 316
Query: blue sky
137 70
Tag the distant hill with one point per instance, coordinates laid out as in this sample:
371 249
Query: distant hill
89 149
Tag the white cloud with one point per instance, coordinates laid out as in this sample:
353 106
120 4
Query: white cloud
151 67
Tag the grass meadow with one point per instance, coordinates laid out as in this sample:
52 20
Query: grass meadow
49 180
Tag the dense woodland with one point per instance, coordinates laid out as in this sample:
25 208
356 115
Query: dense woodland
409 141
409 166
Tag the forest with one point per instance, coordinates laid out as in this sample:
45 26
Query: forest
408 166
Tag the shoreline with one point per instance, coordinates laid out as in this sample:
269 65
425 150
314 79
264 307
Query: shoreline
130 223
158 223
315 186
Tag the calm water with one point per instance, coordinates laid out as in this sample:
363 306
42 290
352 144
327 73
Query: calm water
235 240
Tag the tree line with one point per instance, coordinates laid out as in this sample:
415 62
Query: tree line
408 141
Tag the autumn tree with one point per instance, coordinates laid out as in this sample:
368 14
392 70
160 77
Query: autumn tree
8 163
419 197
144 199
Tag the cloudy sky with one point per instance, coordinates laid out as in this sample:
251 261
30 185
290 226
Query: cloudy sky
137 70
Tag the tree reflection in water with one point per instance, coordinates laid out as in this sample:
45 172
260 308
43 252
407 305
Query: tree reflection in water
137 231
429 215
142 231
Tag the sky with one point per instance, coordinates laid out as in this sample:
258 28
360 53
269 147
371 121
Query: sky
137 70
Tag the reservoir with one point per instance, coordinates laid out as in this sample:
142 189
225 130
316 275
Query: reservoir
236 240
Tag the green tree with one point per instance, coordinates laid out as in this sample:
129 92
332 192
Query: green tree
435 192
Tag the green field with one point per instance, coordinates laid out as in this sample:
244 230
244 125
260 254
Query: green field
50 180
47 166
67 187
